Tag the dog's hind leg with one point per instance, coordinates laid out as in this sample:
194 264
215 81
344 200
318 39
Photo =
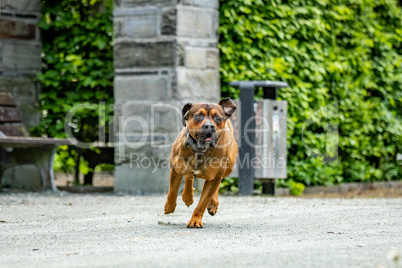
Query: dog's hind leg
188 190
174 180
213 203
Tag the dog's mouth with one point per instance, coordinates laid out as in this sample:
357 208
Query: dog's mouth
207 140
208 137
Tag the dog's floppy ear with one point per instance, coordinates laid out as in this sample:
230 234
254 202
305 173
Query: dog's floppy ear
184 112
228 106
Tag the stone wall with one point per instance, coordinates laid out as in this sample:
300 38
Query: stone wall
20 61
20 55
165 55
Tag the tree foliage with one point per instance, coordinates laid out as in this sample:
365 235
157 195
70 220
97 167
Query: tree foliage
77 59
342 58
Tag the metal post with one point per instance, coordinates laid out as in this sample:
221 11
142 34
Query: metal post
269 185
247 139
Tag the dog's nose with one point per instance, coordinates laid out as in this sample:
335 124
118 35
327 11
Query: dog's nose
209 127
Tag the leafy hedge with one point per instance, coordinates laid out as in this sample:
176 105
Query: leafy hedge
343 62
77 59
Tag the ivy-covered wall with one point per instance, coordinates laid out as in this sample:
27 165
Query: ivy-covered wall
343 62
77 60
77 68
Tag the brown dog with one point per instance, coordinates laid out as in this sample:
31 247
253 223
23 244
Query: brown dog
205 148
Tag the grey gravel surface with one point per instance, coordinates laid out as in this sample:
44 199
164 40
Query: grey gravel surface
76 230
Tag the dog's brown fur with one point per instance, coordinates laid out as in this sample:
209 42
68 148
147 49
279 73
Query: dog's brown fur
212 165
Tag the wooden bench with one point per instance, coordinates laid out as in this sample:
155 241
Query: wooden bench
16 148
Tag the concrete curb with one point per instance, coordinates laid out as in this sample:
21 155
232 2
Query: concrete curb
344 187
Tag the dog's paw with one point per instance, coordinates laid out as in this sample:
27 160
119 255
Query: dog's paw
195 223
213 208
188 199
169 208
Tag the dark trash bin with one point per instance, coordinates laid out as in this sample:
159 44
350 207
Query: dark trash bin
260 131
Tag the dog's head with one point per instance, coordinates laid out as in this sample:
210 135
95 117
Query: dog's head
205 121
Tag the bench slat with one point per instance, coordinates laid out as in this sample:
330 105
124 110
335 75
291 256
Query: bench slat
8 114
6 99
31 141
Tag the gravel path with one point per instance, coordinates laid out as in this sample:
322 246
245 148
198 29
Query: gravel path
53 230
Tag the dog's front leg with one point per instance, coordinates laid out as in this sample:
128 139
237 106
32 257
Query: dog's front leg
174 184
207 193
188 191
213 203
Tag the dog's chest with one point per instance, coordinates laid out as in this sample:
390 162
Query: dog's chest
203 166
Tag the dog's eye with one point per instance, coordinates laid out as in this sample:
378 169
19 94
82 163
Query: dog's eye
217 118
198 117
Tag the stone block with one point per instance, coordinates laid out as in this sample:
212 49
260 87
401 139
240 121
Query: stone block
23 89
146 171
118 31
212 60
137 3
128 143
196 22
203 85
186 2
141 26
147 87
131 12
31 114
215 24
207 3
140 180
136 23
26 95
21 57
169 21
139 117
196 42
195 58
25 177
180 47
10 28
21 6
144 54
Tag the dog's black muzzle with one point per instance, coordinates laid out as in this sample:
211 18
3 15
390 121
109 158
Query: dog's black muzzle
208 136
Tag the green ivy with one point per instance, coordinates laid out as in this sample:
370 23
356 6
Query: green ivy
77 68
342 58
296 188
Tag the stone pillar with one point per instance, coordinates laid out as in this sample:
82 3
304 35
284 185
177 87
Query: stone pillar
165 55
20 55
